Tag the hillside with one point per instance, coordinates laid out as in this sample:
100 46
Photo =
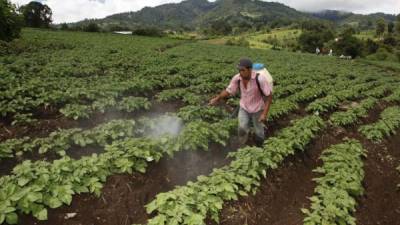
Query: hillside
199 14
192 14
342 18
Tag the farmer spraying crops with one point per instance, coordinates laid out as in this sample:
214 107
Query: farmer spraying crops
255 86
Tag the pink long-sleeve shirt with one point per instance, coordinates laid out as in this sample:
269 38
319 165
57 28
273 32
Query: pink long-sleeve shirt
251 99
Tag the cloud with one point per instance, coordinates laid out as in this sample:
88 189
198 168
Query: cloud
76 10
356 6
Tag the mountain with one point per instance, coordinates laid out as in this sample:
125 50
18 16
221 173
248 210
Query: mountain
349 18
192 14
251 12
167 15
198 14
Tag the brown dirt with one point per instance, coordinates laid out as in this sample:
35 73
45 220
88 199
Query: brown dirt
124 196
286 190
380 205
40 129
7 164
278 201
50 121
76 152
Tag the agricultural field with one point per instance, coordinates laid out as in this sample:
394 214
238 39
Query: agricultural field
367 34
283 37
111 129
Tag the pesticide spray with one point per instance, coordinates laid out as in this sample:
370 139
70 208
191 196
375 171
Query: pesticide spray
164 125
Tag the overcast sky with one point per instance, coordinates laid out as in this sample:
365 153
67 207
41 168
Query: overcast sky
75 10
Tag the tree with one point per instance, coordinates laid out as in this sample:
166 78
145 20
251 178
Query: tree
92 27
117 27
220 27
37 15
371 46
64 26
348 31
380 27
148 31
314 35
390 40
390 27
397 26
348 45
10 22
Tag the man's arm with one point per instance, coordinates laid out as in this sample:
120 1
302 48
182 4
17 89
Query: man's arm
264 115
230 90
224 94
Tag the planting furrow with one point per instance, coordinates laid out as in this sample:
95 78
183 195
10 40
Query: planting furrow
192 203
386 126
34 186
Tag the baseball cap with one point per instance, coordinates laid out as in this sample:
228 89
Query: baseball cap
245 63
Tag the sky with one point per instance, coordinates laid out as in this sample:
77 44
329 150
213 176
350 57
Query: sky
76 10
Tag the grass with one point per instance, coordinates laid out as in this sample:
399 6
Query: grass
257 39
364 35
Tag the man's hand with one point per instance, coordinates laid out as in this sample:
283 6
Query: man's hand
262 118
224 94
214 101
264 114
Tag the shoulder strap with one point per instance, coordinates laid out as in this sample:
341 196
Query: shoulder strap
238 82
259 86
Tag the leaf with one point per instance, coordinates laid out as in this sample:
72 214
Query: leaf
41 215
66 198
305 211
11 218
151 207
54 202
22 181
20 194
2 218
264 173
81 189
195 219
34 196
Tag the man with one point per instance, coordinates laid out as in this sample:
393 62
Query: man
253 106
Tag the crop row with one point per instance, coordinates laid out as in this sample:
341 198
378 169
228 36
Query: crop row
334 199
192 203
60 141
351 116
386 126
34 186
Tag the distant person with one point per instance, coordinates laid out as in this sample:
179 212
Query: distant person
255 99
317 51
330 52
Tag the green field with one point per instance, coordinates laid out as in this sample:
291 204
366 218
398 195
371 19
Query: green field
259 40
77 108
368 34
